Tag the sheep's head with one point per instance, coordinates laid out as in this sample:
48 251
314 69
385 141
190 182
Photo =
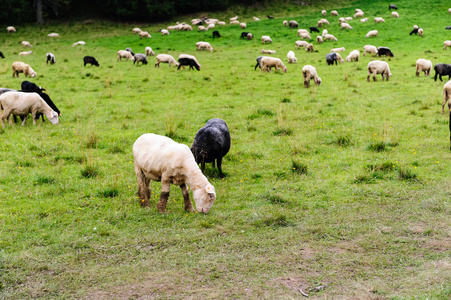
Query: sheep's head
204 198
318 81
33 74
284 68
53 117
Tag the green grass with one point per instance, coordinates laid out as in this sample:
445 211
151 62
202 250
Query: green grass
369 220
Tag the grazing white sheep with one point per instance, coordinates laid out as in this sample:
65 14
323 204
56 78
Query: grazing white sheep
308 73
348 18
447 44
358 14
234 18
149 51
26 44
378 67
144 34
324 32
394 14
285 23
186 27
364 20
221 23
299 44
300 31
353 56
330 37
324 12
243 25
159 158
342 20
204 45
268 51
256 19
164 32
202 28
336 50
78 43
309 48
291 57
53 34
234 22
136 30
10 29
305 35
449 11
20 67
420 32
124 54
334 13
322 22
319 39
21 104
26 53
446 96
346 26
423 65
379 20
165 58
372 33
271 62
210 26
266 39
369 49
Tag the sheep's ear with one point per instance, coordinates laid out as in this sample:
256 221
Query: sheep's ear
209 189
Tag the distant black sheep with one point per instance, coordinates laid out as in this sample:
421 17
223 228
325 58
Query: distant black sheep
331 58
314 29
415 30
442 70
384 51
1 55
244 35
392 6
212 142
188 62
130 50
447 27
216 34
269 17
90 60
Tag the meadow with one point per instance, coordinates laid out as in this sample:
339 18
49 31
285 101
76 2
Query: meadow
341 190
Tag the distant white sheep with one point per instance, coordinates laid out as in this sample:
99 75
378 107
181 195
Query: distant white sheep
394 14
291 57
308 73
423 65
353 56
125 54
319 39
78 43
346 26
420 32
364 20
378 67
299 44
447 44
271 62
20 67
330 37
285 23
334 13
358 15
266 39
336 50
204 46
324 32
26 44
369 49
305 36
243 25
149 51
268 51
26 53
144 34
234 18
324 12
53 34
234 22
10 29
164 32
165 58
372 33
379 20
322 22
256 19
221 23
309 48
202 28
136 30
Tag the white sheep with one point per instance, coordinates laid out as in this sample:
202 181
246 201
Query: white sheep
379 20
378 67
285 23
202 28
149 51
165 58
164 32
319 39
358 14
353 56
136 30
299 44
53 34
324 12
256 19
249 36
369 49
372 33
186 27
364 20
291 57
234 18
322 22
159 158
204 45
78 43
234 22
324 32
308 73
271 62
346 26
10 29
342 20
447 44
266 39
330 37
394 14
124 54
210 26
26 53
309 48
420 32
144 34
300 31
423 65
243 25
221 23
20 67
21 104
446 96
304 35
449 11
268 51
334 13
336 50
26 44
348 18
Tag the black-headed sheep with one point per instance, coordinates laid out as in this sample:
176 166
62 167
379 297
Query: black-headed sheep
384 51
90 60
50 58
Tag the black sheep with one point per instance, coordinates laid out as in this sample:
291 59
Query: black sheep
313 29
50 58
442 70
188 62
331 58
269 17
384 51
447 27
30 87
90 60
212 142
1 55
415 30
392 6
244 35
216 34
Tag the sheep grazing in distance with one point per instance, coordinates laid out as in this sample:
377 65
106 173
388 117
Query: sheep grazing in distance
414 30
324 12
78 43
285 23
266 39
268 51
136 30
26 53
346 26
216 34
269 17
249 36
269 62
394 14
50 58
308 73
330 37
159 158
448 27
202 28
324 32
305 35
333 57
243 25
322 22
301 31
20 67
1 55
244 35
204 46
364 20
139 57
372 33
423 65
149 51
130 50
234 22
309 48
30 87
234 18
165 58
442 70
379 20
210 26
211 143
319 39
256 19
369 49
449 11
446 44
334 13
336 50
384 51
164 32
90 60
10 29
358 14
342 20
26 44
291 57
143 34
313 29
124 54
392 6
53 34
353 56
378 67
188 60
299 44
21 104
420 32
293 24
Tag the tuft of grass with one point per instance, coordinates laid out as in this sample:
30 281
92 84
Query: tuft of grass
285 100
406 174
109 192
89 171
298 167
283 131
386 166
343 140
43 180
273 199
274 221
380 146
116 149
92 141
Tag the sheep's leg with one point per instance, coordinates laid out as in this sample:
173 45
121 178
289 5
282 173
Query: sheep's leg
435 76
368 77
374 76
417 72
165 188
202 165
220 167
439 76
144 190
306 83
445 99
186 199
24 120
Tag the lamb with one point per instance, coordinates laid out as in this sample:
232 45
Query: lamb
309 48
10 29
204 45
379 20
124 54
364 20
423 65
336 50
243 25
26 53
299 44
447 44
21 104
26 44
293 24
165 58
442 70
291 57
324 32
149 51
90 60
139 57
321 22
50 58
334 13
78 43
53 34
384 51
308 73
269 62
346 26
353 56
372 33
202 28
324 12
144 34
313 29
266 39
210 26
285 23
378 67
216 34
160 158
358 14
268 51
319 39
394 14
333 57
20 67
420 32
234 18
211 143
369 49
188 60
136 30
164 32
330 37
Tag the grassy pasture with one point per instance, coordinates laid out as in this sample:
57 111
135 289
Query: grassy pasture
345 185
